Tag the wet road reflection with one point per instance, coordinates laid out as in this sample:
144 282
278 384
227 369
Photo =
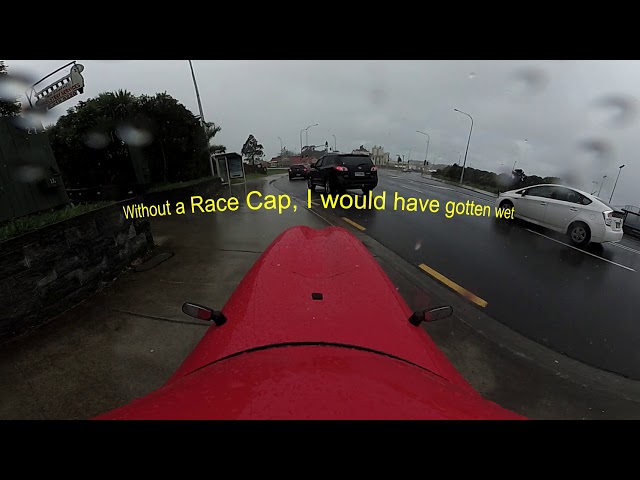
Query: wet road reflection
579 302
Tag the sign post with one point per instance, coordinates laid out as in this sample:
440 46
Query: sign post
59 91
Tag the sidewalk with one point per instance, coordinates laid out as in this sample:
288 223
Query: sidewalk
127 340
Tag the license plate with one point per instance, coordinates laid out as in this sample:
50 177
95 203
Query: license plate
359 174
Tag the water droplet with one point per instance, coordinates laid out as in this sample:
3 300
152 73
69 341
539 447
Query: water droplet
614 110
378 96
600 149
97 140
13 86
472 75
28 173
418 245
527 81
134 136
30 119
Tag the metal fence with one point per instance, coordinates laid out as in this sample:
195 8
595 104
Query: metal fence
29 177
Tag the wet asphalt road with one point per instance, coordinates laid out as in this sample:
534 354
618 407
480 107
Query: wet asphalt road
582 303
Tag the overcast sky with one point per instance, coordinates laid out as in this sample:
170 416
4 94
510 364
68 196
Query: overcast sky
579 118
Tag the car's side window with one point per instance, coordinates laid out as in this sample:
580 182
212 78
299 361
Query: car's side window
560 193
544 192
319 162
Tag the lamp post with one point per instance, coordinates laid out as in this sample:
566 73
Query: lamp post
614 185
426 155
204 125
306 133
409 159
280 146
335 143
301 141
468 141
601 183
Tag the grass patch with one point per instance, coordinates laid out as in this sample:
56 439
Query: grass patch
163 187
26 224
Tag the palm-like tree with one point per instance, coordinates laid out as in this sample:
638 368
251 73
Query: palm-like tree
211 130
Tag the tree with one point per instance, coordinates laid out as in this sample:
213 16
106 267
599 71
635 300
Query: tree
212 129
287 153
9 107
252 149
399 159
94 140
518 177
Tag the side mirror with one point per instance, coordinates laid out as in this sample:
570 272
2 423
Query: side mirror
204 313
431 315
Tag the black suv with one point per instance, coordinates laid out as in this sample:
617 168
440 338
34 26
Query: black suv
337 172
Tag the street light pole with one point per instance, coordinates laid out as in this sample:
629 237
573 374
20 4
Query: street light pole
426 155
280 146
204 125
335 147
301 141
601 183
614 185
306 133
468 141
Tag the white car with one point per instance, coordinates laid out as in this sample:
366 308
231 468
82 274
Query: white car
580 215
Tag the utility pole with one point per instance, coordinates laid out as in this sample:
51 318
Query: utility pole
468 141
202 121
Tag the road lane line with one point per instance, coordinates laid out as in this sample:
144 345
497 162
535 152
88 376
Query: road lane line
625 247
454 286
354 224
586 253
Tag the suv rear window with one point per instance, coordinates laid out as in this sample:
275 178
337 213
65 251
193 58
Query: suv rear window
355 160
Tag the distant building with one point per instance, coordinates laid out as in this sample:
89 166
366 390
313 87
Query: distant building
379 156
361 151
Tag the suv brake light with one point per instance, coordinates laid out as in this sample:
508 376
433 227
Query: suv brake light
340 169
607 217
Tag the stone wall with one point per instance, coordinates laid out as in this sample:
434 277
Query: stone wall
47 271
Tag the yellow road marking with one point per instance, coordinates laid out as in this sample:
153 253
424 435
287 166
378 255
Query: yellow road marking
354 224
454 286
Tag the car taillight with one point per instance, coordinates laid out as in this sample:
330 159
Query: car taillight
340 169
607 217
374 169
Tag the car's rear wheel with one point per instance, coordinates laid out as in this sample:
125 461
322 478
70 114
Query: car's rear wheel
311 186
328 187
290 178
579 234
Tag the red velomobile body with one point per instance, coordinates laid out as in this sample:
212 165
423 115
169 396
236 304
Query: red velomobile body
283 354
